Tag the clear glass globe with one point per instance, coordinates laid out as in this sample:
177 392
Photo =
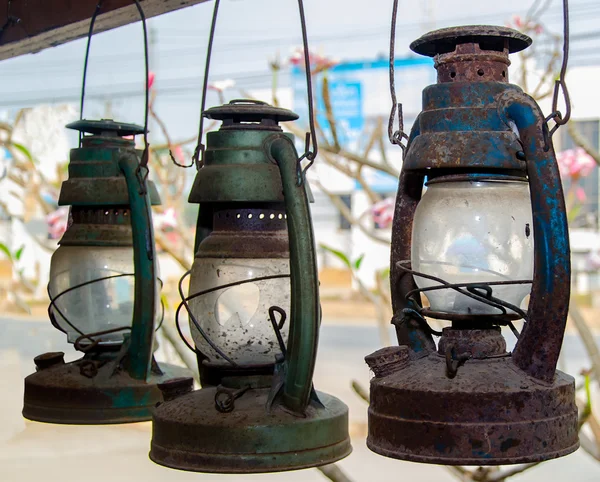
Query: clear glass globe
473 232
237 318
98 306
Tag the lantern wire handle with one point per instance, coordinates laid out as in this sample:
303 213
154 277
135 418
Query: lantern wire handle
144 161
560 84
310 153
396 137
184 303
198 157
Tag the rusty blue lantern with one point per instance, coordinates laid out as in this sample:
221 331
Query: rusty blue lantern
489 230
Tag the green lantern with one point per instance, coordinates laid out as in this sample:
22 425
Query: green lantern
103 289
254 310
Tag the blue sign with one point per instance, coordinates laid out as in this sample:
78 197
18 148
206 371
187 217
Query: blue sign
358 96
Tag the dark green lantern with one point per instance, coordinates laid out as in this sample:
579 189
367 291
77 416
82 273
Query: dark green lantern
254 310
103 289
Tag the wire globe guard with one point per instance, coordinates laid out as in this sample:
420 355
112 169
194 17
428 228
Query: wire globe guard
108 386
297 427
497 407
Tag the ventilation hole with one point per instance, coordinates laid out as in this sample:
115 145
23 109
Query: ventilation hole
280 216
238 216
250 216
480 72
503 73
452 74
261 216
272 216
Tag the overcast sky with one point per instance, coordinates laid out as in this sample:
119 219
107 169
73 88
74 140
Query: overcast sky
249 32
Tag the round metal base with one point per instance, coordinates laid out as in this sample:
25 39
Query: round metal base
491 413
62 394
190 434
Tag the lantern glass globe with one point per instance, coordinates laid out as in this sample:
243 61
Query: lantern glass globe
102 305
237 319
474 232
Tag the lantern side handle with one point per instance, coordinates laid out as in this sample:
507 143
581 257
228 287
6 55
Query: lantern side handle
142 330
410 186
305 310
539 345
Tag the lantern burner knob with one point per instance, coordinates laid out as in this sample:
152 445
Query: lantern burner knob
474 53
247 114
47 360
106 128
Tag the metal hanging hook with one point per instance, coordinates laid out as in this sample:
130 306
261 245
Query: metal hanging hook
396 137
560 84
144 160
311 137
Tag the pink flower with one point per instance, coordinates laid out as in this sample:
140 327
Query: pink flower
166 220
383 212
575 163
150 80
517 21
317 61
177 152
221 85
57 222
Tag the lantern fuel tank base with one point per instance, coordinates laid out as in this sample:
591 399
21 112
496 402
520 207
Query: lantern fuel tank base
490 413
188 433
82 393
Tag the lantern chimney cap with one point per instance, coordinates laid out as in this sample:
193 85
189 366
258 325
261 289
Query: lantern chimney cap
489 37
249 114
106 127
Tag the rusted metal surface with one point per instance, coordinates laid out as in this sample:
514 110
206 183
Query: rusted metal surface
250 114
247 231
98 227
92 390
34 25
190 434
490 37
388 360
478 344
491 413
467 401
538 347
95 178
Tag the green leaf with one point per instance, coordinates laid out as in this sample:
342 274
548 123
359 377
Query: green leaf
19 252
359 261
165 301
338 254
21 148
384 273
6 251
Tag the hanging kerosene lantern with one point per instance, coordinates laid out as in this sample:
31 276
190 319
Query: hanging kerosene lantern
253 305
255 330
103 286
490 229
